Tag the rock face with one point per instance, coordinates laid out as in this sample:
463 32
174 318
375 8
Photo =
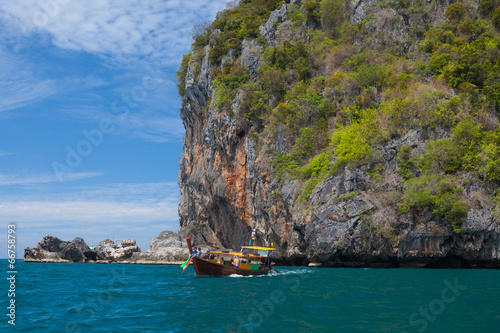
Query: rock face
108 250
76 250
278 16
52 244
250 54
227 189
167 254
338 235
166 239
53 248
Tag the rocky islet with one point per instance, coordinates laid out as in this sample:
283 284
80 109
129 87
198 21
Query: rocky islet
164 249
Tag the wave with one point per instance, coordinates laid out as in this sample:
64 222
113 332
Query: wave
275 273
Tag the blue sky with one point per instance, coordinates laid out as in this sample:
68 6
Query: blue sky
90 133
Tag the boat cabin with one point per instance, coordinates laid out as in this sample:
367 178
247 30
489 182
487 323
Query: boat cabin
250 257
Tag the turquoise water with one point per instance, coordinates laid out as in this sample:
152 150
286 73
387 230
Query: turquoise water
138 298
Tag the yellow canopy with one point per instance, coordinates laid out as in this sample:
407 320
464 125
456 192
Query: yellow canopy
228 253
258 248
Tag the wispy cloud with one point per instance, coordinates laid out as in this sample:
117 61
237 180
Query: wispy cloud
114 28
18 85
155 118
150 127
18 179
22 81
117 204
20 93
126 34
128 192
138 210
88 212
5 153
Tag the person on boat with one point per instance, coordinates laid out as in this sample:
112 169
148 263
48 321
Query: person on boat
199 252
236 262
219 260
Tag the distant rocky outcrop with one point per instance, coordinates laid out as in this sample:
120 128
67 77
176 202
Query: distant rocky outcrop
108 250
166 239
166 248
51 248
168 254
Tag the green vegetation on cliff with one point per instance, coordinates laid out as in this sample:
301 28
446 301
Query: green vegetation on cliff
339 91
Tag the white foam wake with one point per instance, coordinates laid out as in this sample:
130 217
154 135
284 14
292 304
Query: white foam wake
279 272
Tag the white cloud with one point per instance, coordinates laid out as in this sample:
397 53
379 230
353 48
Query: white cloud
154 118
124 205
139 211
150 127
20 93
18 86
155 29
21 85
127 192
133 34
18 179
88 212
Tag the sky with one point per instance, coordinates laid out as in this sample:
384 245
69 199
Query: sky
90 133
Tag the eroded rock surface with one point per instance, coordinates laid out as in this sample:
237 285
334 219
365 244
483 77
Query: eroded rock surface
166 239
54 249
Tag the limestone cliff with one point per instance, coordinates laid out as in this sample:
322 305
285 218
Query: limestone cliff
229 183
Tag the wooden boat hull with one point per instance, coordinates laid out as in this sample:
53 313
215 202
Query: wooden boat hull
207 267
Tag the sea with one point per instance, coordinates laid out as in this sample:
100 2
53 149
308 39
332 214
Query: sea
62 297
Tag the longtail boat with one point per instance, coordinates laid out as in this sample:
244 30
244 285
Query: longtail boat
253 260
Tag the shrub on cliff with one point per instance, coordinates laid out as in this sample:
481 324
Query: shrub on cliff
467 50
181 75
439 193
334 14
350 144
